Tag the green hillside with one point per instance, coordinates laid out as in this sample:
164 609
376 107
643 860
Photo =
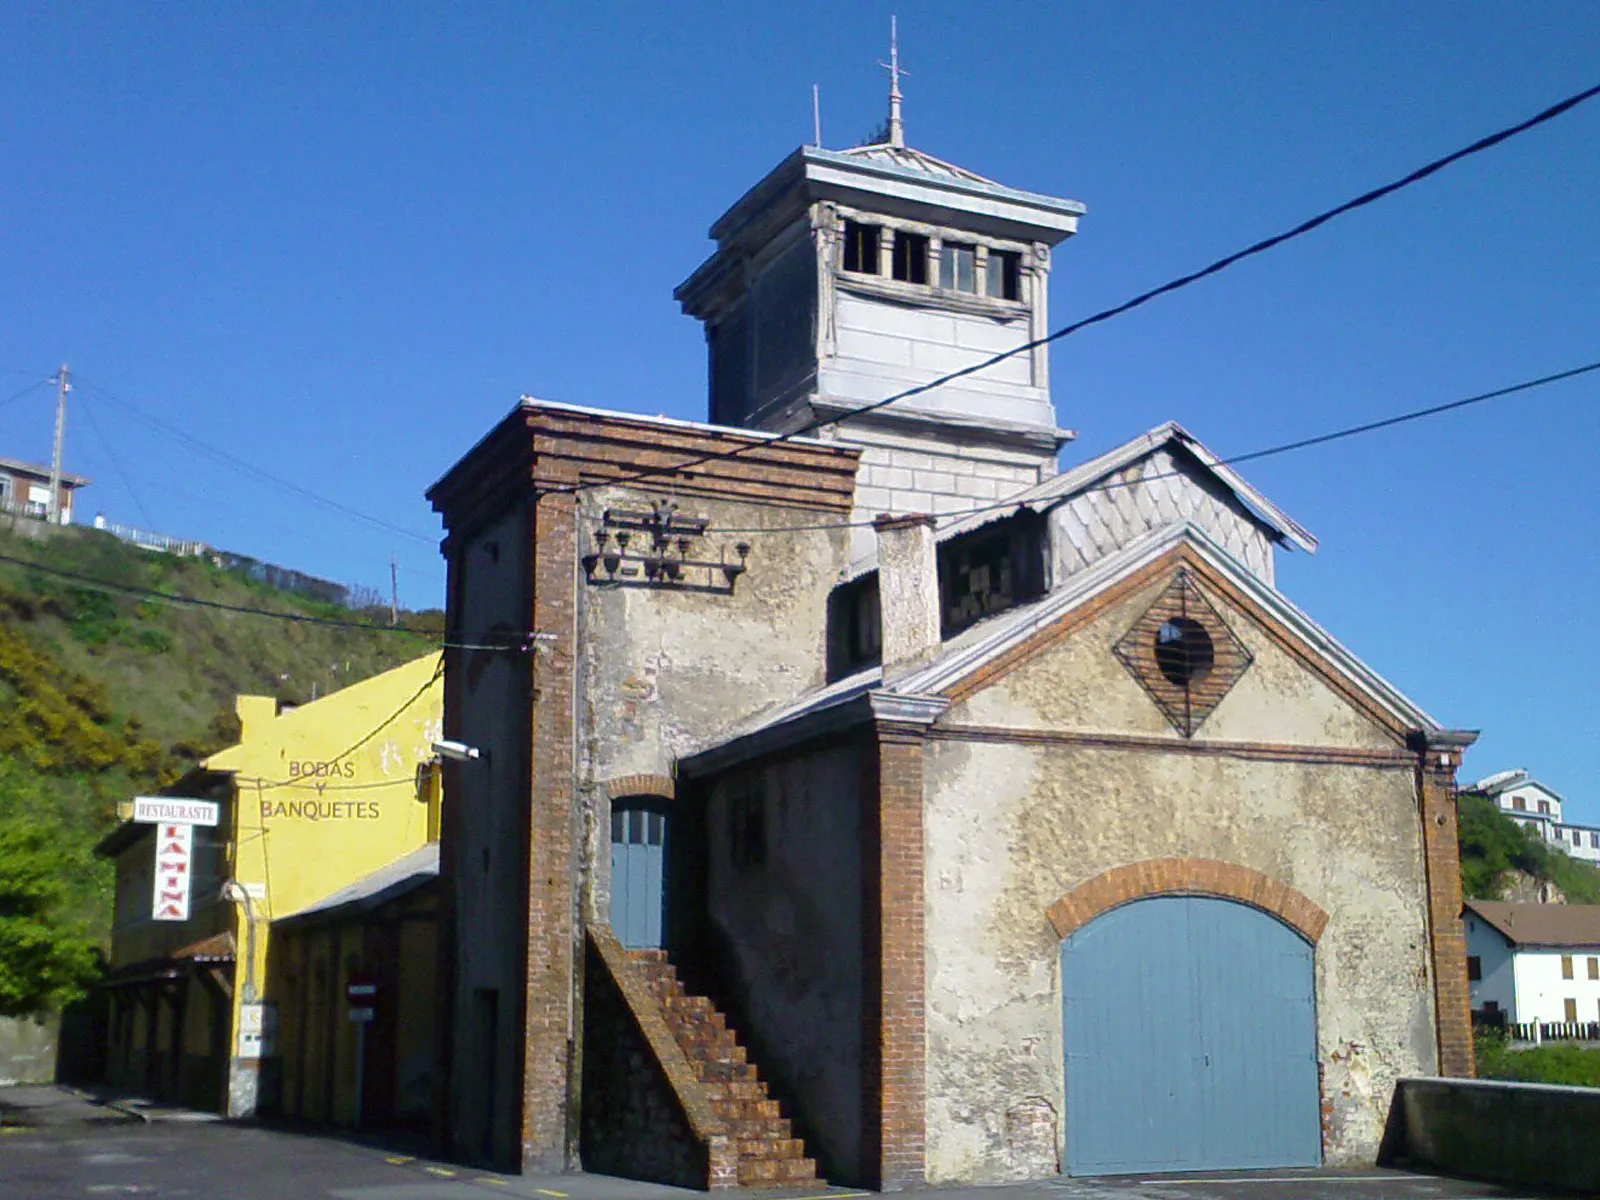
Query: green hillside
1494 848
107 693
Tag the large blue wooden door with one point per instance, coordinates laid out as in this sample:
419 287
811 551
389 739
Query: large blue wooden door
638 895
1191 1040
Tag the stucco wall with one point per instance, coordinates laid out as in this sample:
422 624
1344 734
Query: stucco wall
664 671
789 928
1011 828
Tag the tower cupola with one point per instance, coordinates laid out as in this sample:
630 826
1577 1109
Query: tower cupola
847 276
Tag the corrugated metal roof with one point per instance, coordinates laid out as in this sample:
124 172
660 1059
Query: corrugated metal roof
1541 924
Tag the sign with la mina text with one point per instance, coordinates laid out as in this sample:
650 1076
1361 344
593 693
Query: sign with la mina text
174 857
177 810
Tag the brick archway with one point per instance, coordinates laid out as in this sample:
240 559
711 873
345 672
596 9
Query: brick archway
623 786
1187 877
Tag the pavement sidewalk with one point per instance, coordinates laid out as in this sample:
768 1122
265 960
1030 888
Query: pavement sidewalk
50 1106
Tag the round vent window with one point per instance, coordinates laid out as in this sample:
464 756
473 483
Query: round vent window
1184 651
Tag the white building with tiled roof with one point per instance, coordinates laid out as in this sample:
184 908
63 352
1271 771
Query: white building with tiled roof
1535 962
1538 809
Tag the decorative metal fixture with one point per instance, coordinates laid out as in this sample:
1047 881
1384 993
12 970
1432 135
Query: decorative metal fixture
652 549
1183 654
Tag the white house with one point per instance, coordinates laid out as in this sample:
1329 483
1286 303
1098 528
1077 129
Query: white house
1534 962
1538 809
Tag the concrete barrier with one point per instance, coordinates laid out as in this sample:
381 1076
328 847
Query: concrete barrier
1527 1134
28 1049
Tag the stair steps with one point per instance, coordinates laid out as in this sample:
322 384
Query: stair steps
769 1153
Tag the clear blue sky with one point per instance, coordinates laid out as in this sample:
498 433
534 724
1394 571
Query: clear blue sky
338 241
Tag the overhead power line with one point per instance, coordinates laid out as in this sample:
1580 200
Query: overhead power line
1304 227
32 387
1320 439
234 460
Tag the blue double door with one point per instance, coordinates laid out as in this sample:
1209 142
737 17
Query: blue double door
1190 1039
638 876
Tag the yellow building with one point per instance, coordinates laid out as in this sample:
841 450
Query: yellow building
324 809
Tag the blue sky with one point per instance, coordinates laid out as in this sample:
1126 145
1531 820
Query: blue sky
337 241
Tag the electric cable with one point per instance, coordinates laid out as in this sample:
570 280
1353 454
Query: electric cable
116 463
523 644
250 468
1106 314
1320 439
38 383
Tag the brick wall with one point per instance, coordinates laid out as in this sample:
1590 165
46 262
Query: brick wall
895 1035
549 981
1436 762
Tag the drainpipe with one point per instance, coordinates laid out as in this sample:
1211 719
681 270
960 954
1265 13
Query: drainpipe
239 894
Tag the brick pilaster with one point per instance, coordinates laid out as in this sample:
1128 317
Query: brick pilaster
895 1033
1438 756
548 998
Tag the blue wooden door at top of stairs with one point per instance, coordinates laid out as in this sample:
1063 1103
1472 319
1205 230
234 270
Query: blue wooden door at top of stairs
638 896
1190 1033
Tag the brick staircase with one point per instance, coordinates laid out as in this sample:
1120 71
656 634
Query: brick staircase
769 1153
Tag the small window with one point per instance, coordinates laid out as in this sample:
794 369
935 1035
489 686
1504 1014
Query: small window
1184 651
1594 841
1594 967
1544 806
1566 966
958 267
1572 1009
990 570
910 263
860 248
855 627
1474 968
1003 279
1518 803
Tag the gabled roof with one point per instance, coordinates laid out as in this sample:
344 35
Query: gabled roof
971 650
910 159
1501 782
1541 925
1084 477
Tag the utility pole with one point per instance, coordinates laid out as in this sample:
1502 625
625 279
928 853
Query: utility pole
55 458
394 588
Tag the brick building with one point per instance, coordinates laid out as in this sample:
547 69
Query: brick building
830 814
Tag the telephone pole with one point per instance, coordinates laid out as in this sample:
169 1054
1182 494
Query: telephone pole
55 458
394 588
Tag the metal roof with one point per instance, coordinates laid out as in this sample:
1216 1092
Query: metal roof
1532 925
389 882
23 467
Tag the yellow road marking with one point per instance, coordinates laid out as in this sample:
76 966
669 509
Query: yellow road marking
440 1172
548 1192
398 1160
489 1179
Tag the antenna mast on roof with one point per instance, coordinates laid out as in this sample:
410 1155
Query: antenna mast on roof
897 133
816 115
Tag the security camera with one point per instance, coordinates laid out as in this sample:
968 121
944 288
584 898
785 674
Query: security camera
459 751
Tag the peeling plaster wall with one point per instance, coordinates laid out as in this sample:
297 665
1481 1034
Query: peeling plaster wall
790 931
664 672
1011 828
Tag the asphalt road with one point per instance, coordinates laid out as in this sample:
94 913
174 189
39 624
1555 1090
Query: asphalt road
174 1158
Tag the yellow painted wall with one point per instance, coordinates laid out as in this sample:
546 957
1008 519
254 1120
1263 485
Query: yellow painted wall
322 796
327 793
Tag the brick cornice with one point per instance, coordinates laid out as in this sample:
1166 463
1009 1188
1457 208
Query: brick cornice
623 786
1187 877
1254 751
553 445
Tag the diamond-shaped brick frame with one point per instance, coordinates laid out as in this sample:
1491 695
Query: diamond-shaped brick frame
1185 705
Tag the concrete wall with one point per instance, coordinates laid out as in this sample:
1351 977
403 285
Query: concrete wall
789 931
1523 1134
1013 827
28 1049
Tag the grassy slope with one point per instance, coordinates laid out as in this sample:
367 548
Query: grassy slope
1493 845
102 696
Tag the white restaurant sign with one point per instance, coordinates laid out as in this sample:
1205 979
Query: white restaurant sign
174 858
176 809
174 818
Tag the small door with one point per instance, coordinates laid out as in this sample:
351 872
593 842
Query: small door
1190 1035
638 894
